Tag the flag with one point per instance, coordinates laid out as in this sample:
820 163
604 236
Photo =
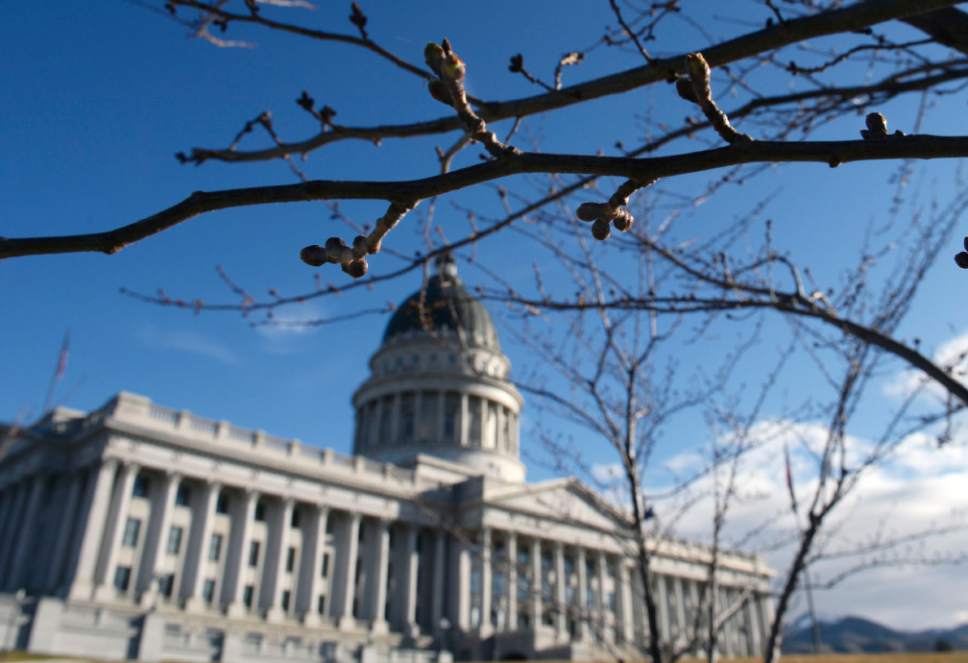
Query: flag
789 478
59 371
62 358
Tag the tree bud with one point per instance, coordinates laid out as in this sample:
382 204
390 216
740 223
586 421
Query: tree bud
601 229
684 88
962 260
877 123
590 211
623 219
313 254
439 91
359 246
355 268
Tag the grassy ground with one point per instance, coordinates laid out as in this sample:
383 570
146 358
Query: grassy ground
930 657
927 657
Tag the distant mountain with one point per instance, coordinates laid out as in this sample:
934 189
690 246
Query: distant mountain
856 634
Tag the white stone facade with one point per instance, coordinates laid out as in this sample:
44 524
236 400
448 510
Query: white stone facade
137 531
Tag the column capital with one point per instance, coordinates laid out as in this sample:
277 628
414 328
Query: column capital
130 467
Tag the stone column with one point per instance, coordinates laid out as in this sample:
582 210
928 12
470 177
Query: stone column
440 564
395 420
9 541
112 537
312 561
511 621
461 577
537 584
65 527
626 618
163 504
487 584
662 603
411 567
239 554
561 596
604 621
203 513
6 508
680 608
584 615
276 562
756 635
376 428
464 421
347 574
378 583
26 532
97 495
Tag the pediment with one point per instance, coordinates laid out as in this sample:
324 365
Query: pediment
565 500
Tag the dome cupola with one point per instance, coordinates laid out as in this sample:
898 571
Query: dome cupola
439 384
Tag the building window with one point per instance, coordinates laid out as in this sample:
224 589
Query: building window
247 593
166 585
122 577
330 528
325 568
294 518
290 559
183 496
489 440
260 511
215 547
427 419
321 604
407 414
253 553
451 417
386 419
285 599
222 503
474 430
132 528
174 539
140 488
208 591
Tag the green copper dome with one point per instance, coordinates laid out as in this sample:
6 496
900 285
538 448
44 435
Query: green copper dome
444 304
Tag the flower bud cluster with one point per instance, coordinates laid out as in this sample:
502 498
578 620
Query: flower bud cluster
615 212
697 89
448 88
352 259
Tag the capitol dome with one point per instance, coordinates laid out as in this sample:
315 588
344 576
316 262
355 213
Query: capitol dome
439 385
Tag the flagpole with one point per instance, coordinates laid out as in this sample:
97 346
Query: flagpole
58 371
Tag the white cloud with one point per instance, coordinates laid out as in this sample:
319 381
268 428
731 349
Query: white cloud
189 341
953 352
920 487
292 320
291 324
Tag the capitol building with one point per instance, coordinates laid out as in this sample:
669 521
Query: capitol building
138 531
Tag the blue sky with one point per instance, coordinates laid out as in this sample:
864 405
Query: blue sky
99 96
